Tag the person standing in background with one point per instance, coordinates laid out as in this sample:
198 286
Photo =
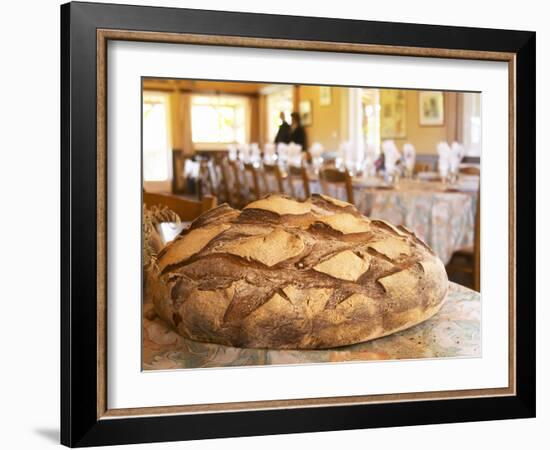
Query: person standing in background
283 135
297 131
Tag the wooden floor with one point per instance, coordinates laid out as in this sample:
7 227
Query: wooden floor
462 278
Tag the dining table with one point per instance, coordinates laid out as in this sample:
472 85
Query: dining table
453 332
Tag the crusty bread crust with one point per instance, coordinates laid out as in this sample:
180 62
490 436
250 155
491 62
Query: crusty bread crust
285 274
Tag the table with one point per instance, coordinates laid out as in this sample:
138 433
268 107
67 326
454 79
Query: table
453 332
444 219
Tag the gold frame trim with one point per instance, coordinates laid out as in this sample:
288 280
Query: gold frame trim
104 35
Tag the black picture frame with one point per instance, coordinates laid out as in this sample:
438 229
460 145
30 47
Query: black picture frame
80 425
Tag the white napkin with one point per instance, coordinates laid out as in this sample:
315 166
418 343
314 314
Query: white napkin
347 154
369 167
457 153
391 156
409 154
295 154
269 152
370 152
232 152
244 152
444 163
255 152
282 152
316 150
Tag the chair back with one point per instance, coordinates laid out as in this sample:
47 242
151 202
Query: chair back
469 170
179 182
253 180
273 172
332 177
208 181
186 209
298 173
237 192
423 167
220 173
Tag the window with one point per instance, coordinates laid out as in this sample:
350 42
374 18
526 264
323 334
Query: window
471 121
364 124
280 100
218 119
370 106
156 137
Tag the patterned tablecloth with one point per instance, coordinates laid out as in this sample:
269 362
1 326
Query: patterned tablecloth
453 332
444 218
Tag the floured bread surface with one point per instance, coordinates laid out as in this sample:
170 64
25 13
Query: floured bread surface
276 246
289 274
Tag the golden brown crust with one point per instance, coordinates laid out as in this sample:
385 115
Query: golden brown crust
289 274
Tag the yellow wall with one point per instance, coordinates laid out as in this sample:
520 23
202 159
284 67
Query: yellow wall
255 128
329 125
425 138
330 122
175 120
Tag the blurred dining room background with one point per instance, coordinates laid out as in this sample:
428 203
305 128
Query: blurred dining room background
409 157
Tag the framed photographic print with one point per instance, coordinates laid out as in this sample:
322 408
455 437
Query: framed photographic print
219 281
431 106
325 95
393 121
306 113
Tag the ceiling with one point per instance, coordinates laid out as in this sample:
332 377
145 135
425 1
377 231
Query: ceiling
202 86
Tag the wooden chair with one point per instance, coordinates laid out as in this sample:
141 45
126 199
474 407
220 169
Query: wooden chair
273 170
237 194
179 182
186 209
469 170
298 173
254 187
467 260
208 182
328 176
422 167
220 173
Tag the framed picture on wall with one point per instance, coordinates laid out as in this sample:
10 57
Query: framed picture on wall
325 97
306 113
281 306
393 114
431 106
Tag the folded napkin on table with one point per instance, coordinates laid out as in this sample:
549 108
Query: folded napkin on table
409 155
282 152
269 152
348 154
295 154
255 152
457 153
244 152
316 150
391 156
232 151
444 162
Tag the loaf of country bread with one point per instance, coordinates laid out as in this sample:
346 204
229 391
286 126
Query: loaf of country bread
285 274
